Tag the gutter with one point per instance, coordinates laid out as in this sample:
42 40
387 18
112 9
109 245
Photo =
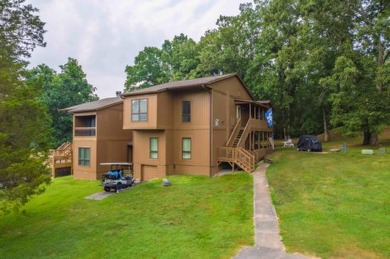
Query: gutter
208 89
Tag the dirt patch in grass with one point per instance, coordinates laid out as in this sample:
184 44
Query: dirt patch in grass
355 253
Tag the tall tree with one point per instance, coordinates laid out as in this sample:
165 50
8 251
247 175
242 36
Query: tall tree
67 88
362 70
24 122
230 48
147 69
176 60
180 57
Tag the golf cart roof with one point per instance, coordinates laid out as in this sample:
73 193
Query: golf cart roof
116 163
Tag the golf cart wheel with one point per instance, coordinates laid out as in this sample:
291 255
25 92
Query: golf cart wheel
107 189
118 187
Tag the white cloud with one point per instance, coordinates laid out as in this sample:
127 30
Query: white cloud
105 36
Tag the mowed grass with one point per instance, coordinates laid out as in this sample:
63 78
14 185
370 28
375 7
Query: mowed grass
196 217
333 205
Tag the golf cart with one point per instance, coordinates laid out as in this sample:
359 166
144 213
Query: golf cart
119 176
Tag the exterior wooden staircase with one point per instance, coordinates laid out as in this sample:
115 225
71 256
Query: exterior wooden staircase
237 156
234 153
238 138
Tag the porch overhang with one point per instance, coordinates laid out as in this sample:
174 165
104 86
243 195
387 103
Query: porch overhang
256 103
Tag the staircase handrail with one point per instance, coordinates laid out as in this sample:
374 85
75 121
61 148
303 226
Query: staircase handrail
245 159
245 133
234 133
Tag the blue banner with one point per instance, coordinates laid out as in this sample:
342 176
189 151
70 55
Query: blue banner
268 116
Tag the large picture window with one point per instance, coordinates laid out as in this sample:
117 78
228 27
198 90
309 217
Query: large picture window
84 156
139 110
186 111
186 148
153 147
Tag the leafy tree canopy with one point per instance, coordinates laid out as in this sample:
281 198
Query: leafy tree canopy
175 60
24 123
67 88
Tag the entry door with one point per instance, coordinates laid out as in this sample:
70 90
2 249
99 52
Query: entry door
130 153
238 112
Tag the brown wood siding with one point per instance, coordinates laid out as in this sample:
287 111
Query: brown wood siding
198 129
233 86
110 151
109 144
170 139
151 122
200 151
260 125
84 172
141 157
200 110
150 172
110 124
164 111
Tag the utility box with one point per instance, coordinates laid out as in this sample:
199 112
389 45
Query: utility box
367 152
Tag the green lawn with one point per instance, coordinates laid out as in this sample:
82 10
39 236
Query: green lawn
330 205
197 217
333 205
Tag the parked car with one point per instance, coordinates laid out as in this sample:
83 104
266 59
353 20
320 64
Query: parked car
118 177
309 143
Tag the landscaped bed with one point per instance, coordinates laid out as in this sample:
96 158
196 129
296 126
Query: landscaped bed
196 217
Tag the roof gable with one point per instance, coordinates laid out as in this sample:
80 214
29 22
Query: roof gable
95 105
185 84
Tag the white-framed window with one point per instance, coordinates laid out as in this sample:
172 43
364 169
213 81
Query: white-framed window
186 148
84 156
139 110
153 148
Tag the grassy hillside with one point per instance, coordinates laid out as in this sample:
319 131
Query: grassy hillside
334 205
197 217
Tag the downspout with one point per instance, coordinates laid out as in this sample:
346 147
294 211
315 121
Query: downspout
211 128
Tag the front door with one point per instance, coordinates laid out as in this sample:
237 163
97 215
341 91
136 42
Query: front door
130 153
238 112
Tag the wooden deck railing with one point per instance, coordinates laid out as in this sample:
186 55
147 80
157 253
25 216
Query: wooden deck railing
60 158
239 156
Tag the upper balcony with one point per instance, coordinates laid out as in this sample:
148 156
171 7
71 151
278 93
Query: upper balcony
85 126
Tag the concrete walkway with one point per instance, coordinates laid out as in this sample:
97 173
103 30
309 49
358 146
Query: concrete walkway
268 242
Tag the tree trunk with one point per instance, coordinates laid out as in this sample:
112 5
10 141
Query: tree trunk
374 139
326 131
367 137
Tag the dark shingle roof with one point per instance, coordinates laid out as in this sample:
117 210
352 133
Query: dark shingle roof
176 85
94 106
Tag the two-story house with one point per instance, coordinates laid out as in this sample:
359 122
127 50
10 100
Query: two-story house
194 126
98 137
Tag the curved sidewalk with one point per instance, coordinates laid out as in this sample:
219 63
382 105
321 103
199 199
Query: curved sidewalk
268 242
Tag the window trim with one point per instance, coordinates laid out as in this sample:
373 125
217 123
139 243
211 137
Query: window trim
82 161
185 114
150 148
139 113
186 152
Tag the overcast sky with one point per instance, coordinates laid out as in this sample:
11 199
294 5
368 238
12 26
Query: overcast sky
105 36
